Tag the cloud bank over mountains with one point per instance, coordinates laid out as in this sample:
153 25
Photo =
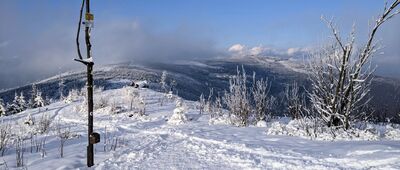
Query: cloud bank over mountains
240 50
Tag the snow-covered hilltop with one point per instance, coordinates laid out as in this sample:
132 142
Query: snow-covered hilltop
137 133
194 78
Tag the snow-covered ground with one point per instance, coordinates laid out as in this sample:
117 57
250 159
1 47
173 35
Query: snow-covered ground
151 142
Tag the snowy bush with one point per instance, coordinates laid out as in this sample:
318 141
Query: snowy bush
100 102
5 134
216 110
73 96
19 144
392 132
63 134
222 120
179 116
261 123
29 120
308 128
237 99
260 92
295 101
43 125
201 104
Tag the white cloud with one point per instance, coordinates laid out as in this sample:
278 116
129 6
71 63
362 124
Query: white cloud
257 50
260 50
238 48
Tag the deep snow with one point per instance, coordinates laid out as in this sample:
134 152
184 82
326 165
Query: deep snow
150 142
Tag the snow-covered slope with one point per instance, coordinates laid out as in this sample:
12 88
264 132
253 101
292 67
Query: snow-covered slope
194 78
150 142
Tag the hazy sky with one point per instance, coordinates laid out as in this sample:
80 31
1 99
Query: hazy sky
37 38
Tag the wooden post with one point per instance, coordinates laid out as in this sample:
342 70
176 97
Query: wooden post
90 149
89 66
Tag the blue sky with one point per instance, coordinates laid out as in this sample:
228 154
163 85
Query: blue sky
34 31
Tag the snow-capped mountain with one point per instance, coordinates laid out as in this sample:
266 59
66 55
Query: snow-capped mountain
194 78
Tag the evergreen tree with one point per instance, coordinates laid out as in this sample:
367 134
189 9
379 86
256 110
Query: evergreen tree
61 86
34 93
12 108
21 102
2 108
39 101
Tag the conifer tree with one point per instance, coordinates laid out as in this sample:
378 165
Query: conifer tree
12 108
21 102
33 96
2 108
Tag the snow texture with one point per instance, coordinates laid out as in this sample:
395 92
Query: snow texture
151 142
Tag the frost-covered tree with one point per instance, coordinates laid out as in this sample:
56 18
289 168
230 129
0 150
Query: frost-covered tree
216 108
12 108
36 99
163 81
2 108
295 101
61 86
340 74
33 94
237 99
202 103
260 99
73 95
39 101
179 116
21 102
173 85
17 105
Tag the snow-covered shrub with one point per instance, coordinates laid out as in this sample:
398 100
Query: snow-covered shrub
63 134
295 101
223 120
208 102
19 144
116 109
73 96
179 116
142 106
170 95
308 128
261 123
215 108
260 99
237 99
43 125
201 106
5 134
392 132
29 120
100 102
